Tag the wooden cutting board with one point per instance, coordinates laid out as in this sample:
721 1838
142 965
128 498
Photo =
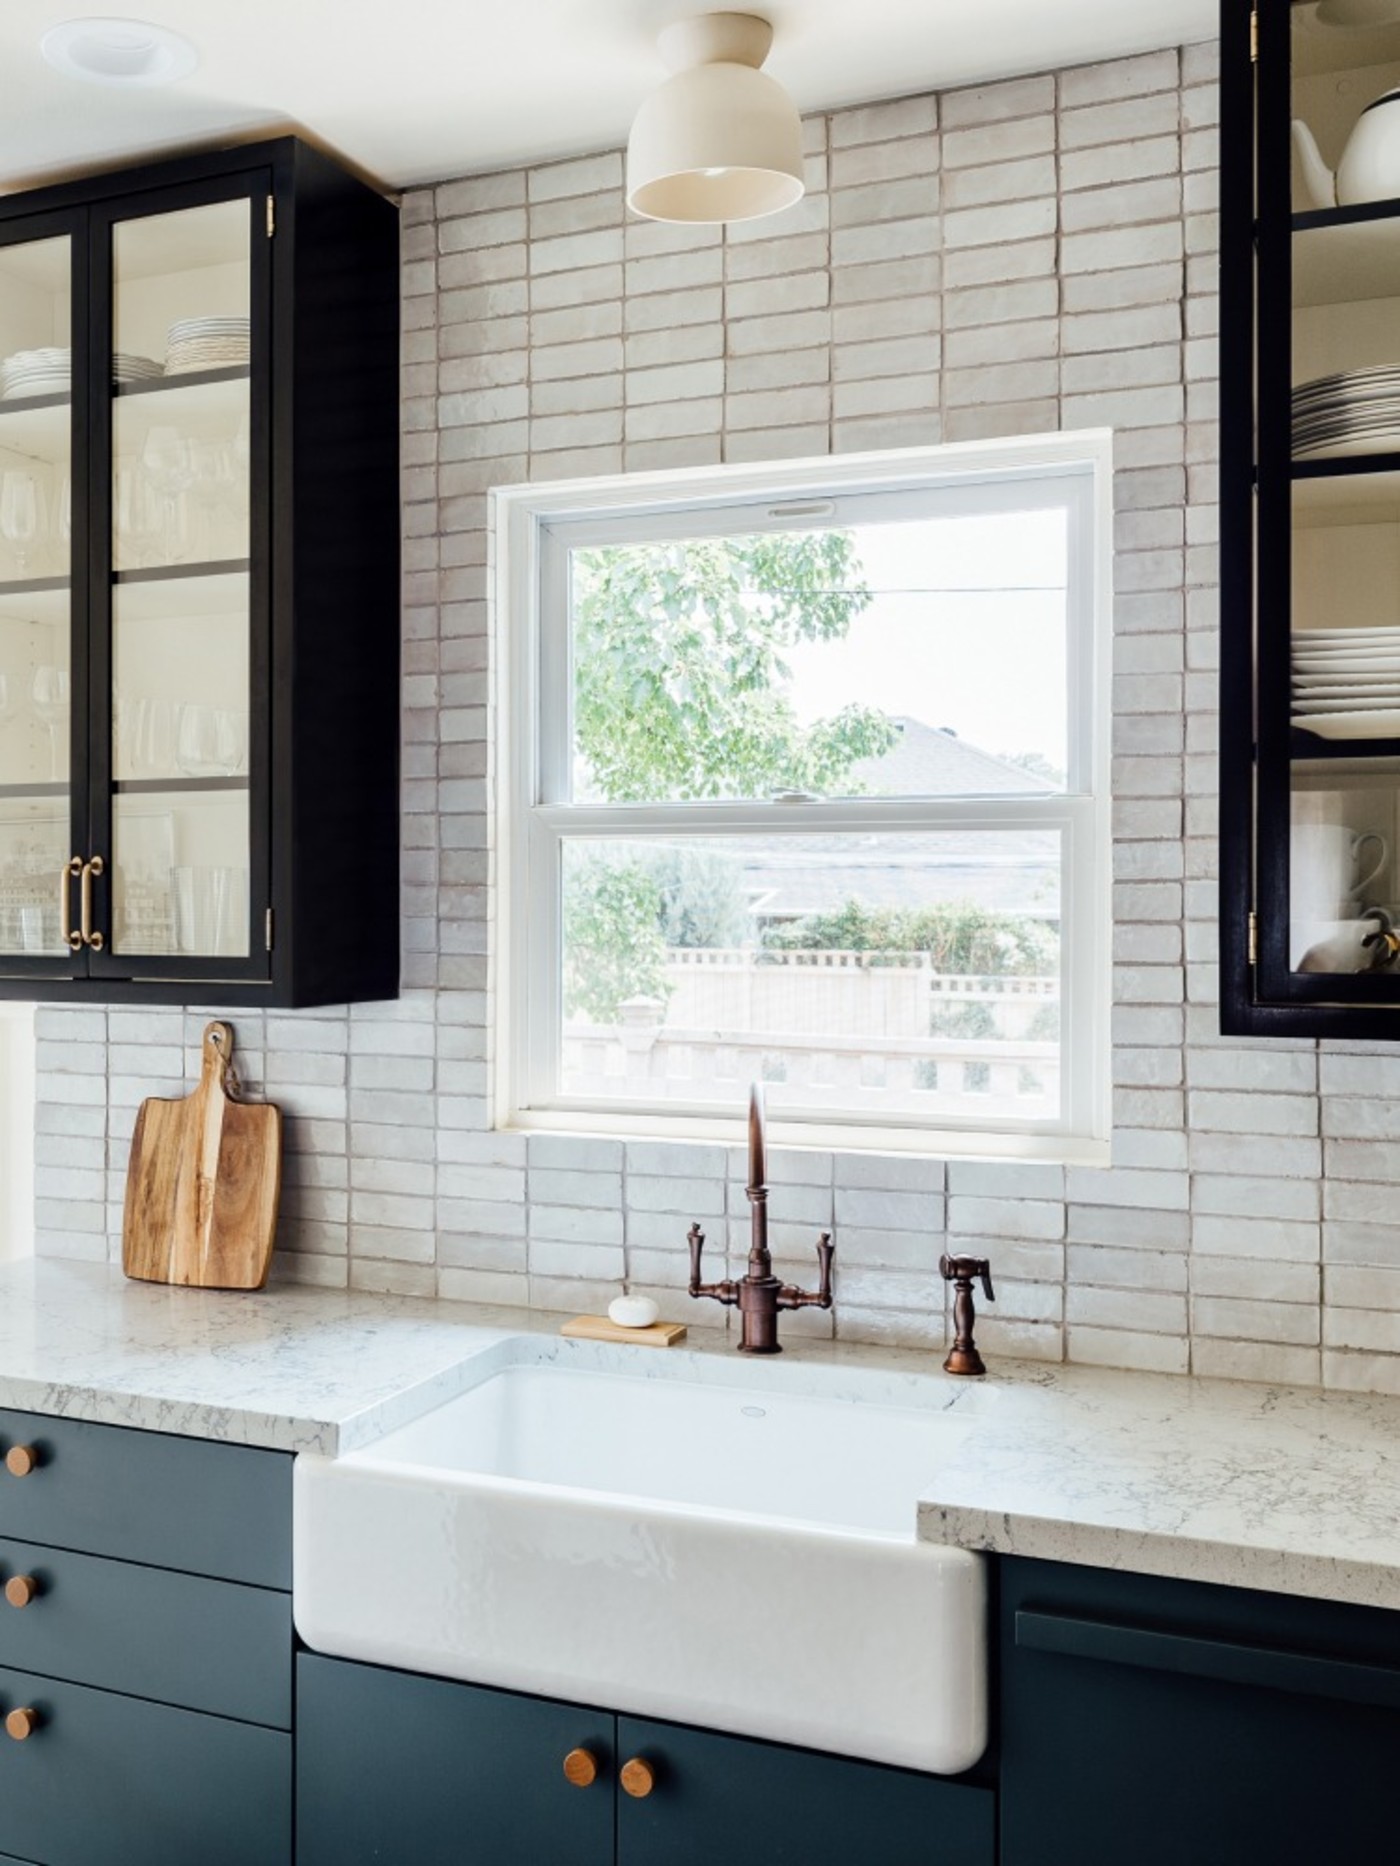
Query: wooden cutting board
203 1183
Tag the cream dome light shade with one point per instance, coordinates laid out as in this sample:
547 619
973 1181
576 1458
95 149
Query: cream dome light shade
719 140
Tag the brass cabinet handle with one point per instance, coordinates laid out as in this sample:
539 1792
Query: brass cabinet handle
95 867
21 1723
581 1767
638 1778
20 1460
72 938
20 1589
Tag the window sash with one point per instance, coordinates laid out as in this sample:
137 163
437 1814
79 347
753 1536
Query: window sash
538 526
1068 487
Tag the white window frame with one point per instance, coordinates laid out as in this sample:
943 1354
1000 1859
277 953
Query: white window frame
533 528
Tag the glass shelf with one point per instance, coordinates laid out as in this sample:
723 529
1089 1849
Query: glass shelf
34 586
177 786
23 792
178 573
191 379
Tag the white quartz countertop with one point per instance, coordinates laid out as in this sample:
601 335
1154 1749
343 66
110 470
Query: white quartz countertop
292 1368
1287 1489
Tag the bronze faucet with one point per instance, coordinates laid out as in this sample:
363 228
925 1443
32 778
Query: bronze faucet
759 1295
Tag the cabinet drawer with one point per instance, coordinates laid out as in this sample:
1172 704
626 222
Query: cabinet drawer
223 1510
113 1781
177 1638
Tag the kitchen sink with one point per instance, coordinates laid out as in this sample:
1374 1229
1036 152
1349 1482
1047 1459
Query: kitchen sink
718 1542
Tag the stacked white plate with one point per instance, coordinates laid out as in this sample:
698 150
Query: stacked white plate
206 343
1346 682
135 368
1356 412
36 372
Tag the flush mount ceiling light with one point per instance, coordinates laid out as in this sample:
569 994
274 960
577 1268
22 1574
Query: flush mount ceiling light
118 51
719 140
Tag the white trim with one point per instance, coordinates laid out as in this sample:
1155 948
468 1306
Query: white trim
533 528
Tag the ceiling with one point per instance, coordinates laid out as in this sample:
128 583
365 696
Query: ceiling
421 89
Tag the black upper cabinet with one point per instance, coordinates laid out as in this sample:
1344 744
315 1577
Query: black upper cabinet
199 584
1310 515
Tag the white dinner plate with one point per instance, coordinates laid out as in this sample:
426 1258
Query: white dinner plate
1384 725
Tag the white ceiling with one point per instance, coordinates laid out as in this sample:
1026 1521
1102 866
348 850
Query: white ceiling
415 90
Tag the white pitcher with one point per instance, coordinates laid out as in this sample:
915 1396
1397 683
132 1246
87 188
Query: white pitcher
1370 166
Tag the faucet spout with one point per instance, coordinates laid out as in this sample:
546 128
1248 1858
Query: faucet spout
760 1261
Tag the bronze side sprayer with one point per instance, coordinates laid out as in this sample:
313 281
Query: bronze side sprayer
963 1357
759 1296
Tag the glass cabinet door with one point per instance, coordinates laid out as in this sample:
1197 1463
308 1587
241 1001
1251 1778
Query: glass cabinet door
1328 525
180 657
37 426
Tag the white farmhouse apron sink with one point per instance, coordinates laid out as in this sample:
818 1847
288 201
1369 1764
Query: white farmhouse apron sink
722 1543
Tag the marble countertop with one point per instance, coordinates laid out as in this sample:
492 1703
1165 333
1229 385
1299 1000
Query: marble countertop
1287 1489
293 1368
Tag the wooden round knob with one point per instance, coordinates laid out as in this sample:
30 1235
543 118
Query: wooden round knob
20 1589
20 1460
581 1767
21 1724
638 1778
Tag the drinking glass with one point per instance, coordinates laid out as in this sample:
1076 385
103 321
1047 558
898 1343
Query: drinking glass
19 513
211 487
168 464
50 693
197 741
138 516
61 526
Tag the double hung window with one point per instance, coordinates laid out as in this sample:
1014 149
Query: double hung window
804 781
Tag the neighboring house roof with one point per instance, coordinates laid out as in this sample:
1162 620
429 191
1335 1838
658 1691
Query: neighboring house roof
1006 871
932 761
1017 873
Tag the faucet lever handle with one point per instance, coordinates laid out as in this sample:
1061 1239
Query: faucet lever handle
695 1238
826 1250
985 1273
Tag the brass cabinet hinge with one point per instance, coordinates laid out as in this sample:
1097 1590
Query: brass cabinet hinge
271 217
1253 937
1254 37
267 929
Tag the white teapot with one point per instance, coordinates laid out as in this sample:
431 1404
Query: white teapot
1370 166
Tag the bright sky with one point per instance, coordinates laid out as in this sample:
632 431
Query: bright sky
967 630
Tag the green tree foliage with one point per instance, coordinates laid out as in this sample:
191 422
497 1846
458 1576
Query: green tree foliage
958 936
679 665
613 945
702 896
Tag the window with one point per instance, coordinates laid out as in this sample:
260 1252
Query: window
803 778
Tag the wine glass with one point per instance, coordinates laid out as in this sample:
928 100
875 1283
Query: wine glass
167 461
212 480
138 515
19 513
50 693
61 526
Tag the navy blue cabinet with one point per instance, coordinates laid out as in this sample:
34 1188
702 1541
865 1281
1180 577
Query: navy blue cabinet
398 1770
744 1803
1164 1721
145 1627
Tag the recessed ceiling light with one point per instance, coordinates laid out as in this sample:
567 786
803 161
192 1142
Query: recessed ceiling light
118 51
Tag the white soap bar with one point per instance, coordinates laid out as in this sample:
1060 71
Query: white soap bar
632 1311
